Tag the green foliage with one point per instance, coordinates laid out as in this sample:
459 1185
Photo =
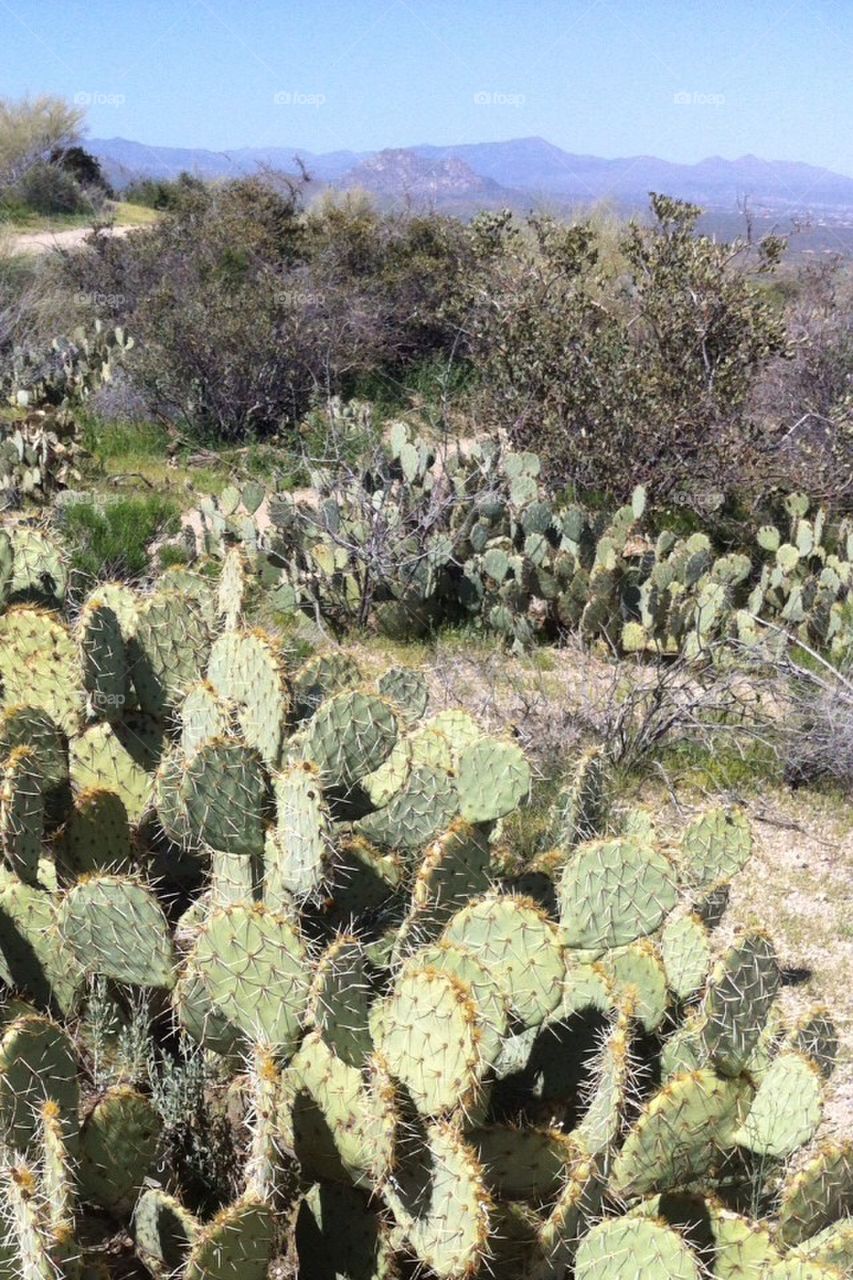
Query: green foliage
112 540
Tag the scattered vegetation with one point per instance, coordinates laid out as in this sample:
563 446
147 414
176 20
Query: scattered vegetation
366 848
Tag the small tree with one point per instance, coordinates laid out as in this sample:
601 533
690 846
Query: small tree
31 130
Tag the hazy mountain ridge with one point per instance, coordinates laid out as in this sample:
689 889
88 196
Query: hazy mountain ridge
518 168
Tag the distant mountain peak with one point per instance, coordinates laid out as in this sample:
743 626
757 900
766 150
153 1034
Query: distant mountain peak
517 172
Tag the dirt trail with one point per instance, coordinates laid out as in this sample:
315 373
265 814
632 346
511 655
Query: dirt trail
44 241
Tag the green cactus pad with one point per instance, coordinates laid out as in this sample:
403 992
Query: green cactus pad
253 963
407 690
22 726
37 1062
39 568
575 1208
164 1231
122 600
786 1110
686 953
340 1121
103 661
231 591
493 778
204 715
488 995
679 1135
517 943
455 868
168 651
120 758
116 927
363 879
626 1248
460 729
426 803
816 1035
526 1164
350 736
714 848
582 802
801 1269
638 979
22 813
299 844
119 1145
203 1020
338 1233
321 677
819 1193
613 891
610 1075
830 1248
439 1199
31 957
223 790
428 1031
740 992
247 669
340 998
96 835
39 666
237 1245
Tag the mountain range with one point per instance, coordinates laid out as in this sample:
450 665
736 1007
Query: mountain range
515 173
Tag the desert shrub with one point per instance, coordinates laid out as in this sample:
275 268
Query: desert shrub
112 540
162 193
626 369
246 310
805 401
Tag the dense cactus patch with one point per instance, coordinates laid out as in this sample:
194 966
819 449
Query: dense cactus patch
433 1056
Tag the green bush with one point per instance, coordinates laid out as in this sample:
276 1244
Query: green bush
112 541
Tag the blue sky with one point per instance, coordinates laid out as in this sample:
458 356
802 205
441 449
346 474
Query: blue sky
682 79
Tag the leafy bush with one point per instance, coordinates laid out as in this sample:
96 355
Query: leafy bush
620 373
112 541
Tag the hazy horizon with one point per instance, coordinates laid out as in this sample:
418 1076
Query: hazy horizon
680 81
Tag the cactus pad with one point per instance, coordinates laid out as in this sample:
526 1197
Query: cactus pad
429 1034
425 804
679 1134
819 1193
439 1200
223 790
613 891
520 946
119 1144
625 1248
120 758
786 1110
39 666
115 927
253 964
714 848
739 995
349 736
247 669
493 778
